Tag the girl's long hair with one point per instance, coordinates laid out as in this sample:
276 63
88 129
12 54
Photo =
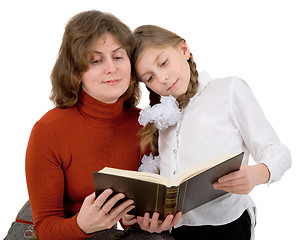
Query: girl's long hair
75 53
154 36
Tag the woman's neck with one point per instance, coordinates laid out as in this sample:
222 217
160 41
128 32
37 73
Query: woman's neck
98 113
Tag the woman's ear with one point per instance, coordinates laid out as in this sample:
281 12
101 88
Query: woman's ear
185 49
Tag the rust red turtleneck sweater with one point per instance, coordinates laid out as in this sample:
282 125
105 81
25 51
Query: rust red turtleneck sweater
65 147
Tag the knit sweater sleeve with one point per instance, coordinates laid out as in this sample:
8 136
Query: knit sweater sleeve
45 181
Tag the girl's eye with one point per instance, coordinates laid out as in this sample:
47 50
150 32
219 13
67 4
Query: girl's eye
164 63
150 78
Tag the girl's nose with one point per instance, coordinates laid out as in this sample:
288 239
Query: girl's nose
163 79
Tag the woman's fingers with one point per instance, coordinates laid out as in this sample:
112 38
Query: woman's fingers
100 213
101 199
129 220
107 206
122 209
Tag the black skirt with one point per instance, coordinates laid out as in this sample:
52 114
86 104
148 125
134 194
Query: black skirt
239 229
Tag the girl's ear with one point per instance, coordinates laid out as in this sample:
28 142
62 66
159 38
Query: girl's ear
185 49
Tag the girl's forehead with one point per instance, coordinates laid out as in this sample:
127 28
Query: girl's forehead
152 53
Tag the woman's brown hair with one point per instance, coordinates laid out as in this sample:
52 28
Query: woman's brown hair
75 53
154 36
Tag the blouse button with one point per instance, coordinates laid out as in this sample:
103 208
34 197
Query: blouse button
174 151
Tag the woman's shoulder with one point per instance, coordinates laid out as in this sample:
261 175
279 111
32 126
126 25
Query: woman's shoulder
55 119
133 113
57 115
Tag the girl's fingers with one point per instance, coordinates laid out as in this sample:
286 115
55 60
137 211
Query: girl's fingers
166 225
231 176
176 219
154 221
155 225
144 221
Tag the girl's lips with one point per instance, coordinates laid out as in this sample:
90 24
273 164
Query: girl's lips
173 86
112 82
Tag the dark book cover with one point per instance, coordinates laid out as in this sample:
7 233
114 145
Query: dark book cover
152 197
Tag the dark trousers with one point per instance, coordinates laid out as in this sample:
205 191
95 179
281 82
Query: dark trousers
239 229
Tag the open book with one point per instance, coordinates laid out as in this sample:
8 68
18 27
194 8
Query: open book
151 192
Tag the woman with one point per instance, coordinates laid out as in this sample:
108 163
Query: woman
94 125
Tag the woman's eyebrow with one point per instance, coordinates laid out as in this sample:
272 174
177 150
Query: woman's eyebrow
116 49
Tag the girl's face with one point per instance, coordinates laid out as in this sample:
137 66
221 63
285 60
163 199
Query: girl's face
109 73
165 70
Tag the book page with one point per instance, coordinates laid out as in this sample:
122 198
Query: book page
145 176
191 171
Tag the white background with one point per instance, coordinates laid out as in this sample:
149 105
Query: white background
254 40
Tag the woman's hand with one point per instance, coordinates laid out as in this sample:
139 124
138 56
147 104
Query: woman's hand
154 225
243 180
96 214
129 220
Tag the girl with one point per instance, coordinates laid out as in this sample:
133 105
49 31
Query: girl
217 117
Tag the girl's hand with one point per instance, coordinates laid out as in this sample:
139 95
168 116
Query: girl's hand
96 214
243 180
154 225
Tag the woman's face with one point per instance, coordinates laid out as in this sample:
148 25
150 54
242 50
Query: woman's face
109 73
165 70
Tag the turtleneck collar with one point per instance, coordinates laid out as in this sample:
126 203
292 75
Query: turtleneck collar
100 114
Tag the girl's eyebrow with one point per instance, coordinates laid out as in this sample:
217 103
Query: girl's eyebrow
156 59
116 49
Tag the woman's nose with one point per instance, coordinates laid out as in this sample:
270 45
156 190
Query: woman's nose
109 67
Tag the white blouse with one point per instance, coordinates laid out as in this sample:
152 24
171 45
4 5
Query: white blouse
222 117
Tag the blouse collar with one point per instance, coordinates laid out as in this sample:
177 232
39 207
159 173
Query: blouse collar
100 114
203 79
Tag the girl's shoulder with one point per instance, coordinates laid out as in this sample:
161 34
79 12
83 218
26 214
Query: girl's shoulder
206 80
230 84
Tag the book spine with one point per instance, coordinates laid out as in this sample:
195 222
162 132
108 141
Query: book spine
171 201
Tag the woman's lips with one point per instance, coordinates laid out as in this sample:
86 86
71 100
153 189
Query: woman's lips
112 82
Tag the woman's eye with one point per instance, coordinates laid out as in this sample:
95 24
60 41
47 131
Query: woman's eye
96 61
118 55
